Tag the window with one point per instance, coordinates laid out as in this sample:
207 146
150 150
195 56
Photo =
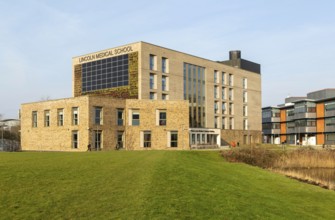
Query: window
165 97
245 97
245 110
34 119
152 62
162 117
330 121
245 83
216 76
152 95
135 118
223 93
216 122
164 65
231 109
223 78
174 139
97 139
230 79
223 108
120 139
330 106
60 117
223 123
216 107
152 81
98 115
231 94
164 83
147 139
75 115
119 113
105 73
245 124
216 92
47 118
75 139
231 123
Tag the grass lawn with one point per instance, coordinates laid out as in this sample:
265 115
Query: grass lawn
151 185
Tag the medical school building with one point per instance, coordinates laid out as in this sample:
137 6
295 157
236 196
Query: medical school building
306 120
143 96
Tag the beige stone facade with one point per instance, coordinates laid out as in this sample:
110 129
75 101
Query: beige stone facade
50 135
245 87
143 96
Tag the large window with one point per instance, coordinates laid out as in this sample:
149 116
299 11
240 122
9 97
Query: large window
223 108
98 115
153 62
97 139
245 83
47 118
164 65
230 79
152 81
223 78
107 73
194 92
75 116
60 117
120 117
245 96
216 76
164 83
223 93
174 139
231 94
147 139
135 118
34 119
162 118
75 139
223 122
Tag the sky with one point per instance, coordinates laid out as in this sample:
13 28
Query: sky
293 40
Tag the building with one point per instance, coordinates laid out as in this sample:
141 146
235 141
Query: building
222 99
306 120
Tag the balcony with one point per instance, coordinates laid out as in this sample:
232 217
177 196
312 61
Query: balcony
271 131
330 113
330 128
305 129
272 119
304 115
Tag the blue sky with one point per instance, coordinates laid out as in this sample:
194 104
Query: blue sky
293 40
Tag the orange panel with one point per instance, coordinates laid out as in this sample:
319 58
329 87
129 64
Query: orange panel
320 139
282 125
320 110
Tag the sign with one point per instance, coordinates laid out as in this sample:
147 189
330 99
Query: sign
105 54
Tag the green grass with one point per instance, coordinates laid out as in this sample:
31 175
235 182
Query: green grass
151 185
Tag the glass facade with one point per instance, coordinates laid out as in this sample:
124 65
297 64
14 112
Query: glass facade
194 91
106 73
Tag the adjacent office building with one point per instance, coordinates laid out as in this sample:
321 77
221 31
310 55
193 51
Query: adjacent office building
141 96
306 120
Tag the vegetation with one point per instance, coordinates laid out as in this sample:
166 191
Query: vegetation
270 158
151 185
307 164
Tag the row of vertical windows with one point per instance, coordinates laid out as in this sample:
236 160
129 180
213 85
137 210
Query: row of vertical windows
60 117
98 117
147 139
161 117
224 123
194 92
153 63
